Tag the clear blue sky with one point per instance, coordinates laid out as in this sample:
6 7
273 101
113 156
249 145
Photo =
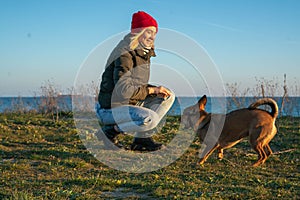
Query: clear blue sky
49 40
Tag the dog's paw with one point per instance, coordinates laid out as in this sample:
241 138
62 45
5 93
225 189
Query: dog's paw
257 164
201 162
220 156
199 166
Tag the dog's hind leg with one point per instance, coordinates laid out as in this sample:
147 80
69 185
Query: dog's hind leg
206 153
257 144
262 156
268 150
259 140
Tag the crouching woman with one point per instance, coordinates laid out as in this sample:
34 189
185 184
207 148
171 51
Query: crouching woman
127 102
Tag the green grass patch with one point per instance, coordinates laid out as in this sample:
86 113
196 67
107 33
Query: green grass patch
45 159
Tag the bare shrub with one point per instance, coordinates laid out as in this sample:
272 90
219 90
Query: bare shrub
85 96
237 97
292 104
48 100
267 88
18 105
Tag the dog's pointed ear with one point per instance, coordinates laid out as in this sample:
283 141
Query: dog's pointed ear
202 102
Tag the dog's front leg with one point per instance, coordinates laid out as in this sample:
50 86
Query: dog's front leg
206 153
220 154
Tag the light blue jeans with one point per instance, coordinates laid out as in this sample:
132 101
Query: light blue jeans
138 119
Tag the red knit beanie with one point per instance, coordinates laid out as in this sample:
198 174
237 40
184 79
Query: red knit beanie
140 20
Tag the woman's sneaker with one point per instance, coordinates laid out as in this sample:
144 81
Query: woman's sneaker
145 144
111 136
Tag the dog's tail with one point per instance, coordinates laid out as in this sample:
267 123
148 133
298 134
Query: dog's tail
266 101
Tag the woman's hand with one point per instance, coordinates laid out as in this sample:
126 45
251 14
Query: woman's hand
160 91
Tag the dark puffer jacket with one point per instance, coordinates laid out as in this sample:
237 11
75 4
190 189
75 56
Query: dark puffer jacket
126 76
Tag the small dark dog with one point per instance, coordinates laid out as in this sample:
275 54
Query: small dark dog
256 123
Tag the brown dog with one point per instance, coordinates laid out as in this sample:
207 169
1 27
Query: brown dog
256 123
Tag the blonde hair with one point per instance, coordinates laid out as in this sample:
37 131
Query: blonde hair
134 43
